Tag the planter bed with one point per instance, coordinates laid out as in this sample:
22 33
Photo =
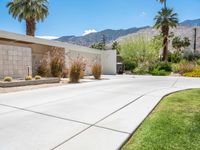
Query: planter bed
17 83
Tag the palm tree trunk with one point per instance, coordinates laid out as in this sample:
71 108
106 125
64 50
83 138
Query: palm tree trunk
165 49
165 32
165 4
30 26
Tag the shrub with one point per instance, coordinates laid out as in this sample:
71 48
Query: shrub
7 79
43 70
141 69
37 77
183 67
75 71
140 49
65 73
161 66
174 57
164 66
97 71
195 73
82 74
175 68
198 62
57 65
157 72
44 66
190 55
28 78
129 65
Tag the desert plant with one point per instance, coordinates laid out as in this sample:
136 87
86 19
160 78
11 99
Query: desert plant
44 66
65 73
194 73
190 55
75 71
57 65
82 74
141 69
198 62
43 70
157 72
129 65
7 79
97 71
175 68
28 78
57 61
175 57
183 67
161 66
37 77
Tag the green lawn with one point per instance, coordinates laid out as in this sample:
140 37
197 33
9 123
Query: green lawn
173 125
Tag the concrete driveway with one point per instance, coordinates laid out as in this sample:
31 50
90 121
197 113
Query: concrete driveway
98 115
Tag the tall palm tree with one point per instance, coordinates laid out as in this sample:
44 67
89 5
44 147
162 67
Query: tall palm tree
31 11
165 20
163 2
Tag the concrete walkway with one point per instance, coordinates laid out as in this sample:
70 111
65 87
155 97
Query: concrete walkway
89 116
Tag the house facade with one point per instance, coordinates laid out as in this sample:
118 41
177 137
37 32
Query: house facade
21 55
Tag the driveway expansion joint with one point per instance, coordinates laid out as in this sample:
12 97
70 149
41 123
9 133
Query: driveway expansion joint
95 124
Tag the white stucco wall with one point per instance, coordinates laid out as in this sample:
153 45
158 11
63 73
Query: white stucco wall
106 58
109 61
88 57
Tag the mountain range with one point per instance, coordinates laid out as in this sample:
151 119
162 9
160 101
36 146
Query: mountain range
115 35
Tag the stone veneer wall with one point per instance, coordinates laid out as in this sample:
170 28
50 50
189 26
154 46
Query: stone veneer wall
14 61
40 52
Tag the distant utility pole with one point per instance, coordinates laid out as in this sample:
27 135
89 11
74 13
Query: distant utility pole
195 39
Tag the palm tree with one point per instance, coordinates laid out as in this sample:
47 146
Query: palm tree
163 2
165 20
31 11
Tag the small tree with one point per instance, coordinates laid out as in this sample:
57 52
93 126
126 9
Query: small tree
116 46
140 49
179 43
100 45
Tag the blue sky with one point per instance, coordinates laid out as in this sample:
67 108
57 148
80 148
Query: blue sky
73 17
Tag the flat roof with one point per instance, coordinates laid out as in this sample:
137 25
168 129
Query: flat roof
4 35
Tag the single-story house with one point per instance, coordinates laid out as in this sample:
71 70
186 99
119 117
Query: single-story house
20 53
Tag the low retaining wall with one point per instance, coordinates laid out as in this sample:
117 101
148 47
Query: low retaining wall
31 82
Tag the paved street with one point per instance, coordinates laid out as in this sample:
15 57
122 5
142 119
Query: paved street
98 115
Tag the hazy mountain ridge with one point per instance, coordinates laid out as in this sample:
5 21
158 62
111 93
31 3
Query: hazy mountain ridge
110 35
185 29
195 22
